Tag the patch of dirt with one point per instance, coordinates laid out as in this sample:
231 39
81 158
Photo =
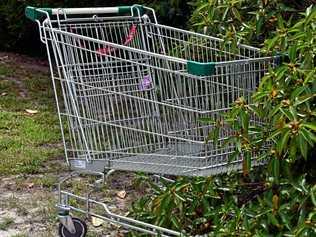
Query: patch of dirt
28 207
25 62
22 91
31 207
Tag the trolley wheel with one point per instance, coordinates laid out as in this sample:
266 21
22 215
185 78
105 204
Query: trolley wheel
80 226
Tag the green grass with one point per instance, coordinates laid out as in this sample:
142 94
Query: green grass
19 235
26 141
5 71
6 223
48 181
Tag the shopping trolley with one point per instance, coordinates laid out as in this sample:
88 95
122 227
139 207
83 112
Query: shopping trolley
131 95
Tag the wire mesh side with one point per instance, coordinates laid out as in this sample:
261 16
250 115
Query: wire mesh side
193 46
128 31
136 110
140 33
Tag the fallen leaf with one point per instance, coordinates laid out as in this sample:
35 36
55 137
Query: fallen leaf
96 222
30 111
4 58
121 194
119 234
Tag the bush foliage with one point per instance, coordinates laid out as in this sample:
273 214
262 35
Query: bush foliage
247 21
277 199
224 206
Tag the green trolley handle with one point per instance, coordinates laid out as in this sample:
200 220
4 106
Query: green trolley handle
34 13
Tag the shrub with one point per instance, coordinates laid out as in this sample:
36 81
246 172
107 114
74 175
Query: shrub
16 32
247 21
277 200
222 206
285 99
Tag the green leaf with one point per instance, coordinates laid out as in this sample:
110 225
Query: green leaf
297 92
175 222
206 120
246 164
313 195
293 112
276 168
287 113
225 14
280 22
272 42
311 14
236 14
273 220
238 146
303 99
292 53
213 135
179 197
293 149
310 77
260 95
206 204
259 24
275 110
308 136
233 156
282 143
303 146
286 220
281 72
244 116
311 126
274 134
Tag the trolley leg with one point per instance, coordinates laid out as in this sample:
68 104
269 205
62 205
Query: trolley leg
70 224
65 218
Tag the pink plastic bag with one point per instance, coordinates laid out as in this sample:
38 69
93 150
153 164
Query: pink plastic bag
131 35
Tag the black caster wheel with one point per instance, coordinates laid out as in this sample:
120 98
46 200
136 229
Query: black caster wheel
80 226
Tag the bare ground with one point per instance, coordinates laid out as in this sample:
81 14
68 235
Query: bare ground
31 207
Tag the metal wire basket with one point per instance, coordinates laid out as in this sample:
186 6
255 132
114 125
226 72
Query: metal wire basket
133 92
